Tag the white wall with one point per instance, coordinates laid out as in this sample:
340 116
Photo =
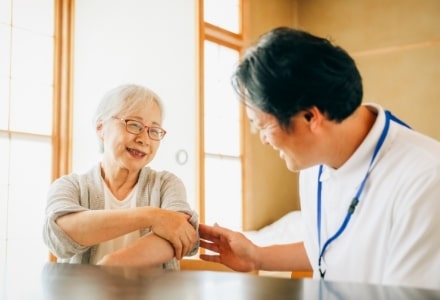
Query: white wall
149 42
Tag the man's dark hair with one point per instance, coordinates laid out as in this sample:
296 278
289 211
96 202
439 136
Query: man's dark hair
290 70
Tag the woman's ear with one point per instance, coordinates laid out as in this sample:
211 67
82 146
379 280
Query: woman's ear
99 131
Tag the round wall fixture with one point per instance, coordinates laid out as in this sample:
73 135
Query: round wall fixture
181 157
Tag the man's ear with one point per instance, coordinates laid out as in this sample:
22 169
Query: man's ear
313 116
310 113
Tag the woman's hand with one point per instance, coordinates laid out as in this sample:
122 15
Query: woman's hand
175 228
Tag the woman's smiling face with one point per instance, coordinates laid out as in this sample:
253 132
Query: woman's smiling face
126 150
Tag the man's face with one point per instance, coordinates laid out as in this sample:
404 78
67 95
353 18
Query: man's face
294 144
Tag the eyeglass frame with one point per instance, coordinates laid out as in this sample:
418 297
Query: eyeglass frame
125 121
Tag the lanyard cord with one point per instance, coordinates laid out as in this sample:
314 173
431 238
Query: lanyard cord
355 201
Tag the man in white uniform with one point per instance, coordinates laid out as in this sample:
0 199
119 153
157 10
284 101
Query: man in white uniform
369 184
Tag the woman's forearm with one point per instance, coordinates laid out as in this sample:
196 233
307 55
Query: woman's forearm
148 251
92 227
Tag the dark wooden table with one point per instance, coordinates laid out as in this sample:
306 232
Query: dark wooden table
82 282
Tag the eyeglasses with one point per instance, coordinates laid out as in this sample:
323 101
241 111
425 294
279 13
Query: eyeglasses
137 127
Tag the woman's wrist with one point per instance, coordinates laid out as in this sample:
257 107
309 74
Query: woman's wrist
148 215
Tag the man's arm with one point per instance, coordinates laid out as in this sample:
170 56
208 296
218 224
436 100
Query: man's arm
237 252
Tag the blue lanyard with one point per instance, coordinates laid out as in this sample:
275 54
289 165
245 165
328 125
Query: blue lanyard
355 201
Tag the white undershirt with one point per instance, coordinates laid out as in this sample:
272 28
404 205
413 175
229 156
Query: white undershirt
118 243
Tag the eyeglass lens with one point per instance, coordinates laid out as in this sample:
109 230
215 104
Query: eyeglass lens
136 127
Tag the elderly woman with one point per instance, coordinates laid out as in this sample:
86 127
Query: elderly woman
122 212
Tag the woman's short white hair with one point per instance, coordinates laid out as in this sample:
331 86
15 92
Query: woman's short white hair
124 100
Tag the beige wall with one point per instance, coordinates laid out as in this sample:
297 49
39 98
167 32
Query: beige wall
396 44
270 190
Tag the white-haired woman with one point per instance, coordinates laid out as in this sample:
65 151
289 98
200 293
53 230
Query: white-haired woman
122 212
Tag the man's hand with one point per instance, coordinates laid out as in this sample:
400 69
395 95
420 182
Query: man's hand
233 248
